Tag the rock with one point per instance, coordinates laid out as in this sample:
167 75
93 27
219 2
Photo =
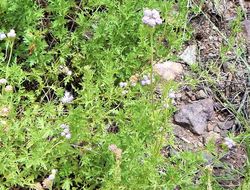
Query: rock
195 116
185 139
211 136
189 55
210 127
201 95
217 129
226 125
168 70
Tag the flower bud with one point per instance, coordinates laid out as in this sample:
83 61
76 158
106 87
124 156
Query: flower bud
11 34
3 81
2 36
8 88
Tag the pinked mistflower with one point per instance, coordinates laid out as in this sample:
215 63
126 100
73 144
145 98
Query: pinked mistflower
48 182
145 80
67 98
8 88
151 17
66 132
3 81
123 84
11 34
229 142
2 36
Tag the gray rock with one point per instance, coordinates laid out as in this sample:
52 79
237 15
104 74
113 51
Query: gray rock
201 94
226 125
195 116
189 55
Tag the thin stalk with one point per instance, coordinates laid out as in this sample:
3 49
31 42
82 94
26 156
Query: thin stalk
8 63
10 55
6 50
152 62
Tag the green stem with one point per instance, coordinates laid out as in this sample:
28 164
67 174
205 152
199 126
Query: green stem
6 50
10 55
152 62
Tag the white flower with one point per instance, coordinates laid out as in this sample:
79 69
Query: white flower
54 171
145 77
3 81
143 83
229 142
171 94
68 136
8 88
148 82
64 126
66 130
145 80
4 111
67 98
2 36
133 83
63 134
123 84
51 177
69 73
11 34
147 12
124 92
65 70
151 17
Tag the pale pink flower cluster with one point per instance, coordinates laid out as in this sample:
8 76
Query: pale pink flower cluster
151 17
8 88
145 80
123 84
11 34
66 133
67 98
229 142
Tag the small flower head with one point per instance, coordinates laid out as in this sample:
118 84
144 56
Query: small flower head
143 83
63 134
3 81
11 34
66 132
67 98
124 92
146 80
64 126
2 36
171 94
65 70
4 111
229 142
68 136
8 88
123 84
53 171
151 17
51 177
